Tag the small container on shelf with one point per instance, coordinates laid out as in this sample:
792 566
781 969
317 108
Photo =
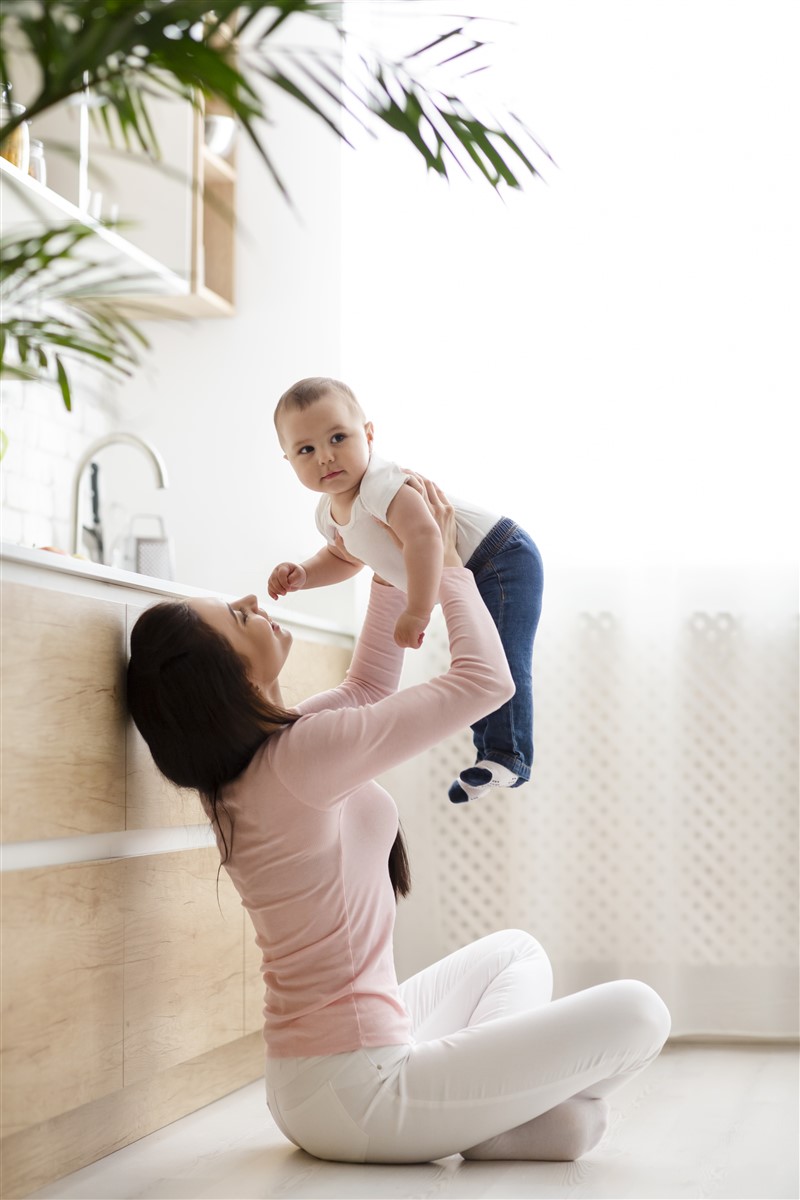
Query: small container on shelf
37 167
219 134
16 147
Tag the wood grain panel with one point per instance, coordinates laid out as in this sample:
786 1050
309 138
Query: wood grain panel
37 1156
61 989
151 801
63 742
312 667
183 960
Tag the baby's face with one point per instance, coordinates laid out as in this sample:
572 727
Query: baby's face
327 445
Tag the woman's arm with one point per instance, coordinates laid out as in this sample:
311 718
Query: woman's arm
326 755
374 670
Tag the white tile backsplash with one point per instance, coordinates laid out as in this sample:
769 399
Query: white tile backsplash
45 444
11 527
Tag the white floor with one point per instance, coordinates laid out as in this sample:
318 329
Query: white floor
702 1121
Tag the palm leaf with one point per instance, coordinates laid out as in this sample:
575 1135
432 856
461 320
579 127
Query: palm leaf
68 322
138 46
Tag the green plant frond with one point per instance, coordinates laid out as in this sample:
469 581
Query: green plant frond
12 373
36 264
40 273
286 9
132 53
280 80
438 41
41 284
41 335
137 96
63 383
17 249
268 163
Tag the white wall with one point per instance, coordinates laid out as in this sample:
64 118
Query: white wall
609 357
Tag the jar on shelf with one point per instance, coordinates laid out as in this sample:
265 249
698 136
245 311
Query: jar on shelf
37 167
16 147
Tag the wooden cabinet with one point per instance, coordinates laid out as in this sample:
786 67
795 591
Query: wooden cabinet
131 988
62 993
62 733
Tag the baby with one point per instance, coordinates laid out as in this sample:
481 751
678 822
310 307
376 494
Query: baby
367 516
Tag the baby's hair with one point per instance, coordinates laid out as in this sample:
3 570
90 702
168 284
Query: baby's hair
305 392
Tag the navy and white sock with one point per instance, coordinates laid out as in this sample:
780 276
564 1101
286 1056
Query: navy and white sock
476 781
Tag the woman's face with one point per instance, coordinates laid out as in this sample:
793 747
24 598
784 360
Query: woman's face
260 642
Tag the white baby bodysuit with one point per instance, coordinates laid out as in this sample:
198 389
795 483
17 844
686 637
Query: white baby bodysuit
366 537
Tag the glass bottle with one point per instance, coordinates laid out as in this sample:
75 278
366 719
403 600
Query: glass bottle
16 147
37 168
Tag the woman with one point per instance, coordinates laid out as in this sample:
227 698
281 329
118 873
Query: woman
471 1055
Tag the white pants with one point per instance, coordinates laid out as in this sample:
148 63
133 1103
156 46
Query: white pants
491 1052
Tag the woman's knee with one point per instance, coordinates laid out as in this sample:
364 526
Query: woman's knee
525 947
523 942
645 1012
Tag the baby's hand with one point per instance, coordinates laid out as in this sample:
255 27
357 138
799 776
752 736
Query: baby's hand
286 577
410 630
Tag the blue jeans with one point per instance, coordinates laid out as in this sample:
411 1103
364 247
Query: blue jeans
508 571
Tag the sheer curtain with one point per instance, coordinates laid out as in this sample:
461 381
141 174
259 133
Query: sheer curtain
658 837
609 359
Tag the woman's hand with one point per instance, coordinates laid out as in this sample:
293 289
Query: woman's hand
443 513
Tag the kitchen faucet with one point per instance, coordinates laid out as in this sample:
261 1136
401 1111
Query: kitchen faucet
111 439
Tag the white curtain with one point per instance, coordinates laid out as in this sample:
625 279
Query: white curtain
658 837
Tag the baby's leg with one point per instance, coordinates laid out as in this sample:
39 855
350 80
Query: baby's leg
510 583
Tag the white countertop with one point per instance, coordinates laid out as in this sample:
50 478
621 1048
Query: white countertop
25 564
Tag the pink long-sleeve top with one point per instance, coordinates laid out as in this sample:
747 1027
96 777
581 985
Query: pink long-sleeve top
312 830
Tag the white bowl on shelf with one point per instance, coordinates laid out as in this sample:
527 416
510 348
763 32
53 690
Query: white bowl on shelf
219 133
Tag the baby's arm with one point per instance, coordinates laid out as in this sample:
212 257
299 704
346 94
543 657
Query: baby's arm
331 564
412 523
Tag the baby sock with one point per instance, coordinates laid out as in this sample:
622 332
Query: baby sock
563 1134
474 781
488 774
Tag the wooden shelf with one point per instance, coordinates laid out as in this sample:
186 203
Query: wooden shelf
155 292
28 204
216 168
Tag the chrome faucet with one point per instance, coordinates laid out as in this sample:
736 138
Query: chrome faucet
111 439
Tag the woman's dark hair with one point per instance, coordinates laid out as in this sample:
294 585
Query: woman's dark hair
202 718
399 866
